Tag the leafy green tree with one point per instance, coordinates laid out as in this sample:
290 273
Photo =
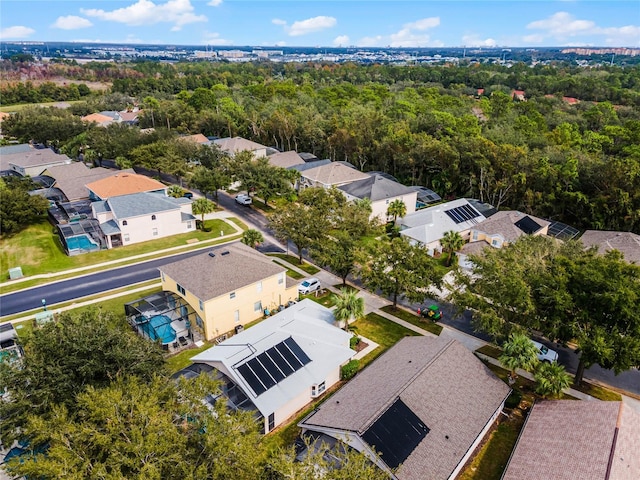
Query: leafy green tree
17 208
348 307
451 242
65 357
519 352
396 209
210 180
202 206
551 379
398 268
175 191
252 237
337 251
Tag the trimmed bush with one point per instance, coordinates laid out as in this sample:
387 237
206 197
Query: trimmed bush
349 370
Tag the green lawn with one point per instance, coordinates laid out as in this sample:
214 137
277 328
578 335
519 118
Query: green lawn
183 359
307 267
37 249
490 351
291 273
17 108
325 299
413 319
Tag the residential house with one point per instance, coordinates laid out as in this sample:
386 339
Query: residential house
506 227
198 139
123 183
568 439
333 174
427 226
29 161
418 410
238 144
103 119
139 217
382 192
285 361
518 95
72 178
285 159
229 286
627 243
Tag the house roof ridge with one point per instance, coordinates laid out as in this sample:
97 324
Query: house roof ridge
402 388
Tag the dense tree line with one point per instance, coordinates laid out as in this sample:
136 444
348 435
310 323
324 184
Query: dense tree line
27 92
17 207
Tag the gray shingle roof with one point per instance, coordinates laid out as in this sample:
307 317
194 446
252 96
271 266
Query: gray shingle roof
376 188
137 204
209 277
440 381
73 178
625 242
285 159
110 227
101 207
334 173
504 223
567 440
237 144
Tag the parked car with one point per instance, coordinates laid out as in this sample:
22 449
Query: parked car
309 285
243 199
188 195
545 354
431 312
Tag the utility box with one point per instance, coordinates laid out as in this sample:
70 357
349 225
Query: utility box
15 273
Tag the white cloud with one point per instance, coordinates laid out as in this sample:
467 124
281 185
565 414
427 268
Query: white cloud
213 38
310 25
145 12
277 21
412 34
476 41
561 27
71 22
281 44
17 31
215 3
341 40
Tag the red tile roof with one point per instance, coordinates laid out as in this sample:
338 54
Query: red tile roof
124 184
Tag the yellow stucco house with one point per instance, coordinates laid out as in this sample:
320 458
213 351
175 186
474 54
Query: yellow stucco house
228 286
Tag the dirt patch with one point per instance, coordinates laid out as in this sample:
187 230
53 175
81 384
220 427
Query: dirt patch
360 346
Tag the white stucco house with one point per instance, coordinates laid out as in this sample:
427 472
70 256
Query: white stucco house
381 191
426 227
139 217
285 361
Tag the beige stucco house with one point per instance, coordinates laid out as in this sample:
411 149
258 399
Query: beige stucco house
229 286
381 191
238 144
285 361
140 217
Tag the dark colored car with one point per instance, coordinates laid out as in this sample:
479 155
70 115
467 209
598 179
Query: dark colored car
431 312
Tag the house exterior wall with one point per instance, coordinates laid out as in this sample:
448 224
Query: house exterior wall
141 229
219 314
495 240
379 208
36 170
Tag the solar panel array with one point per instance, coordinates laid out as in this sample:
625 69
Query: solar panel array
274 365
464 213
562 231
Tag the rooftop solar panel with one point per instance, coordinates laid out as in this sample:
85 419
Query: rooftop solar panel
295 348
251 379
528 225
271 367
463 213
280 361
562 231
396 434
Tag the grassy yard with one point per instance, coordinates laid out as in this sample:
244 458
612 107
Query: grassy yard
22 106
413 319
307 267
490 351
37 249
291 273
326 299
183 359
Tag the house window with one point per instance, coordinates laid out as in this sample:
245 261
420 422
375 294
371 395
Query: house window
232 295
281 278
153 217
272 422
236 316
199 322
257 307
155 232
126 237
180 289
124 223
201 304
495 242
475 235
318 389
162 276
259 287
189 224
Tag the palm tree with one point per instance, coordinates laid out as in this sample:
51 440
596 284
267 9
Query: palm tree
451 242
252 238
175 191
397 208
348 307
551 379
519 352
202 206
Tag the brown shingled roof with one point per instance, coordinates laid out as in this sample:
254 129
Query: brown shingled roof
124 184
440 381
208 277
625 242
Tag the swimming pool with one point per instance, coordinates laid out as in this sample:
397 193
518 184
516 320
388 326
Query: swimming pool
158 327
81 242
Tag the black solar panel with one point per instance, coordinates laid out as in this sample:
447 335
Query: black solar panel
274 365
562 231
463 213
528 225
396 434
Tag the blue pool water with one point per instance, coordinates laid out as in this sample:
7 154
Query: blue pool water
159 327
81 242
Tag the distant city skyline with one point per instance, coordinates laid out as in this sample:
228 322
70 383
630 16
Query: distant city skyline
326 23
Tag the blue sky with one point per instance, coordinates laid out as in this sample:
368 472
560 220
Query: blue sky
365 23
